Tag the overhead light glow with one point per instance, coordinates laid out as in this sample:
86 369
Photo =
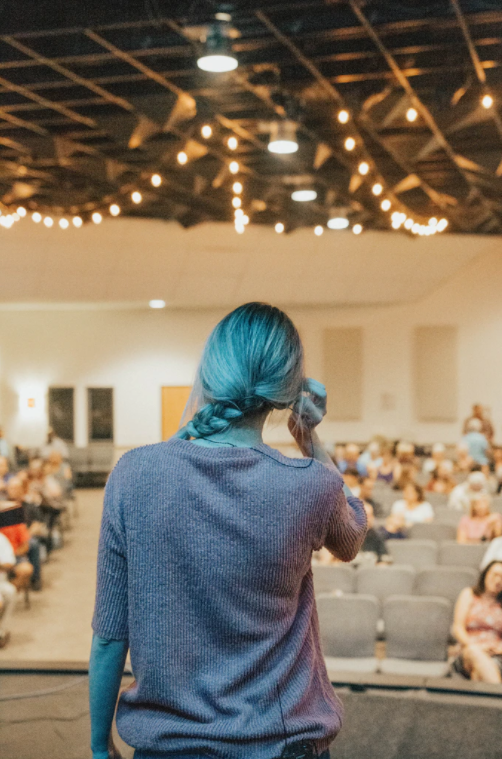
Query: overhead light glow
96 217
357 229
233 167
408 223
377 189
239 228
182 157
16 216
136 197
64 223
232 143
77 222
156 180
237 188
363 168
279 227
157 304
415 228
37 217
433 221
206 131
236 202
442 224
245 219
304 195
21 212
343 116
411 114
318 230
217 64
487 101
338 222
238 213
48 221
283 138
385 204
114 209
350 143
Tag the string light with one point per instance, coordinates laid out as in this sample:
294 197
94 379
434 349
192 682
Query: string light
237 188
239 228
357 229
37 217
96 217
77 222
279 227
16 216
363 168
136 197
415 228
396 223
182 157
487 101
245 219
349 143
433 221
343 116
114 209
236 202
21 212
238 213
319 229
385 204
408 223
233 167
411 114
377 189
48 221
442 224
206 131
64 223
156 180
232 143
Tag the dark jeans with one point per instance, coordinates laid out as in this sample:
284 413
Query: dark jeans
34 559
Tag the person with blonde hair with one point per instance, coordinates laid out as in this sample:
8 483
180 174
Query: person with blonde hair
480 524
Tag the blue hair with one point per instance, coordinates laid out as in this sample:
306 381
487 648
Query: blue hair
252 362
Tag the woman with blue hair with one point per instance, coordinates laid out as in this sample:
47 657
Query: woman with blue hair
204 568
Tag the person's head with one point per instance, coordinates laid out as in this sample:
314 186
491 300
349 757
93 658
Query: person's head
474 425
374 449
413 493
479 505
490 581
252 363
351 452
477 410
15 489
4 466
370 515
351 478
476 482
367 485
35 467
55 460
405 452
438 452
445 469
339 452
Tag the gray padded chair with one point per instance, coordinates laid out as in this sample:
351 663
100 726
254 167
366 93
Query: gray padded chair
418 553
348 632
339 578
417 630
458 555
444 515
385 581
445 582
437 531
436 499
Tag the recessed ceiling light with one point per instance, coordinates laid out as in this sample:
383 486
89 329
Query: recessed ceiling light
157 304
304 195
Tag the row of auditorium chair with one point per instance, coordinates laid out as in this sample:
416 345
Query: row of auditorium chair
425 553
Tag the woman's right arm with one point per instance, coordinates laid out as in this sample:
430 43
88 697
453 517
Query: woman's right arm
462 607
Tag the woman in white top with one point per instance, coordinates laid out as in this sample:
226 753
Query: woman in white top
413 507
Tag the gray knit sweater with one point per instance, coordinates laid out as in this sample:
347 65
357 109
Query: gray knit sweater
205 568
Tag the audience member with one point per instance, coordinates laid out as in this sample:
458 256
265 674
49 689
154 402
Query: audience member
373 547
54 443
441 480
478 627
497 466
366 488
480 524
19 538
15 493
386 470
370 460
407 473
477 444
351 458
5 448
486 426
461 495
61 472
438 456
413 506
464 461
394 528
351 479
4 475
8 591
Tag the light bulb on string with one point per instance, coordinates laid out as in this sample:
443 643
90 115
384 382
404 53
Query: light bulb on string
245 219
96 217
411 114
385 204
487 101
48 221
206 131
182 157
318 230
36 217
377 189
77 222
363 168
349 143
233 167
408 223
64 223
442 224
15 216
156 180
433 221
343 116
21 211
237 188
232 143
357 229
236 202
279 227
238 213
136 197
114 209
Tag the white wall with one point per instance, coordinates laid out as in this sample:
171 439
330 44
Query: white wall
138 351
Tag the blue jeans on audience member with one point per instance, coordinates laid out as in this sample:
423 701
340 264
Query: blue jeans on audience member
34 559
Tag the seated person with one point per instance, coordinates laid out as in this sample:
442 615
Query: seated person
61 472
478 627
351 458
480 524
374 542
7 590
464 462
386 470
441 480
413 507
351 479
407 473
369 460
493 553
366 494
394 528
19 537
437 457
4 475
460 496
477 444
36 528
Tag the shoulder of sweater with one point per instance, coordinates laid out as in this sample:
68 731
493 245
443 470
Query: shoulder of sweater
135 455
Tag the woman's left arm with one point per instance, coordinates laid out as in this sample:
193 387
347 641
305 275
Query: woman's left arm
106 669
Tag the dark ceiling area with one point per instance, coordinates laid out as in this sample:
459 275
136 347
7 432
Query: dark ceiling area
95 98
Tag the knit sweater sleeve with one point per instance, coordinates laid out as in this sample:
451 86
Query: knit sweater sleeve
346 523
110 618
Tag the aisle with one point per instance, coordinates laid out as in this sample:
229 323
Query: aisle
57 627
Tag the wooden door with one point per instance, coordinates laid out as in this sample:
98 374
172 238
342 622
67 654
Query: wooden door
173 404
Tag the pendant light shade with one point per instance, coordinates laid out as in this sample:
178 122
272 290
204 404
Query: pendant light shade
283 138
218 56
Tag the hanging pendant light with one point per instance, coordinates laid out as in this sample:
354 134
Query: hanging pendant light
283 138
218 56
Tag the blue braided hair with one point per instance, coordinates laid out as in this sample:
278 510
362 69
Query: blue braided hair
252 363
